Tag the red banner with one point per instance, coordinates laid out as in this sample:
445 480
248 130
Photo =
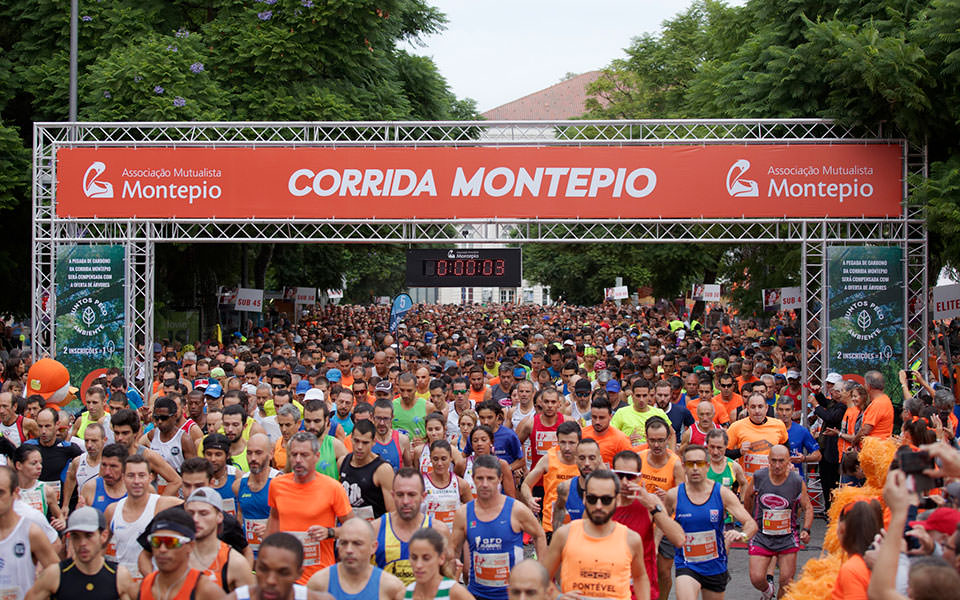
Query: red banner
671 182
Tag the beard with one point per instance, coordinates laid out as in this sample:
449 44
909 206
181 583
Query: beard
599 517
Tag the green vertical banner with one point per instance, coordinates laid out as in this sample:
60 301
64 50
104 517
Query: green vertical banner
866 312
89 326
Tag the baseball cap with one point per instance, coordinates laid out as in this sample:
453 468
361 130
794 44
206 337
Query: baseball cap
943 519
208 495
613 385
834 378
217 372
313 394
216 441
175 519
720 361
449 364
383 386
303 386
87 519
582 385
249 388
214 390
157 348
299 370
519 372
334 375
793 374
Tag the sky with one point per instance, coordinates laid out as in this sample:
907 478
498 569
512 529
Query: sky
496 51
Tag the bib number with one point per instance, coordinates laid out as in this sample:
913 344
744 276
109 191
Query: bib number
754 462
311 550
776 522
700 546
491 570
253 538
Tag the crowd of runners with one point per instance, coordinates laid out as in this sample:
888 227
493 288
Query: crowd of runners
477 452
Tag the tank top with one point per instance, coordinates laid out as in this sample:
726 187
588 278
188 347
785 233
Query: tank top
18 573
254 508
327 463
100 586
35 497
299 592
500 397
186 591
226 491
574 505
596 567
443 591
393 554
365 496
84 471
775 510
442 503
543 439
216 571
583 418
494 550
390 451
658 477
453 424
123 544
426 465
704 550
85 421
101 500
468 476
410 421
171 451
556 473
724 478
371 591
475 396
14 431
697 435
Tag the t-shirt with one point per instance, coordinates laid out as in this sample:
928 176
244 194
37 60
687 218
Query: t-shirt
328 502
506 445
762 437
848 426
800 441
679 417
56 459
852 580
879 414
611 441
732 405
629 420
720 414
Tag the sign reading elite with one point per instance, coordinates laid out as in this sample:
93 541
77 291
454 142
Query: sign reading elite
632 182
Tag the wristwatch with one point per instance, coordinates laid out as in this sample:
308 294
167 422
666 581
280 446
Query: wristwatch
330 533
656 509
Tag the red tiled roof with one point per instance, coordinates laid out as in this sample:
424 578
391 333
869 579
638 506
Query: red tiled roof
564 100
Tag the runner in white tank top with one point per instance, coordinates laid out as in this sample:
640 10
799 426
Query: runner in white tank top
517 417
442 503
85 472
19 572
11 432
171 450
123 546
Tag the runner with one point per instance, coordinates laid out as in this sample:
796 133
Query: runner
278 567
171 538
129 516
355 577
288 420
316 415
775 497
215 559
108 487
426 557
366 478
14 427
698 505
557 466
35 493
529 580
697 433
493 527
482 440
409 410
55 454
705 394
23 545
344 403
87 570
252 490
631 419
803 448
435 424
725 471
610 439
389 444
216 449
311 521
446 490
96 402
461 404
234 419
598 557
579 408
731 400
569 503
506 444
84 467
126 430
752 437
540 429
478 386
395 528
171 442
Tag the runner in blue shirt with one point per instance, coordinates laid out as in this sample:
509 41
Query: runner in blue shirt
803 448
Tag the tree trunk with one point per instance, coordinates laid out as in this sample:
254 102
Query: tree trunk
264 255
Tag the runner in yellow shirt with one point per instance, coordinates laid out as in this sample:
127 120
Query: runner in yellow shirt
632 419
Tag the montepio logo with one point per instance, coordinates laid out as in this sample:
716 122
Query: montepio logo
92 187
738 187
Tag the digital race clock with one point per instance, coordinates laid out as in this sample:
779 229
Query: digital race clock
464 267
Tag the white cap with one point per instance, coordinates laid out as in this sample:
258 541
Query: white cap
313 394
834 378
793 374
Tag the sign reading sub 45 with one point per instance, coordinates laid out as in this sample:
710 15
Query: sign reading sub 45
249 299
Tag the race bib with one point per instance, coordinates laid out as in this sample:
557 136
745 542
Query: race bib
311 550
545 440
364 512
230 506
253 538
776 521
445 517
754 462
10 593
33 497
700 546
491 570
55 486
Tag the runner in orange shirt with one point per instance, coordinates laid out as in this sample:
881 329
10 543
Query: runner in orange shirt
751 438
728 396
610 439
311 522
705 392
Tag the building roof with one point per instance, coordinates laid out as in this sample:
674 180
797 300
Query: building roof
564 100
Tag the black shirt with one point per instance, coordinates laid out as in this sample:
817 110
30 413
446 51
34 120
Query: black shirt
56 459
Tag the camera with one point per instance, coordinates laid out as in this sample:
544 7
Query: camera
913 463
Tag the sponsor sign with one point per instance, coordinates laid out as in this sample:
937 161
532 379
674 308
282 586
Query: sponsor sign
249 299
619 292
865 311
946 302
89 322
710 181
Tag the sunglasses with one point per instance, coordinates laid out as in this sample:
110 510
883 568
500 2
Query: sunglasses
593 499
171 542
279 386
628 475
696 463
161 417
460 392
726 385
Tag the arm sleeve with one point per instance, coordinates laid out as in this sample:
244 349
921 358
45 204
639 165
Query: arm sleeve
733 454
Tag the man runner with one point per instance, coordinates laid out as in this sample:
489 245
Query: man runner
775 497
597 556
389 444
126 430
493 526
171 538
216 449
87 570
699 505
751 438
697 433
14 427
215 559
167 439
23 544
569 503
354 576
409 410
107 488
557 466
316 415
725 471
84 467
366 478
253 488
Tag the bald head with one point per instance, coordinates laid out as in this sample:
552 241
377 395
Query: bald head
358 528
259 452
260 441
528 581
779 451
